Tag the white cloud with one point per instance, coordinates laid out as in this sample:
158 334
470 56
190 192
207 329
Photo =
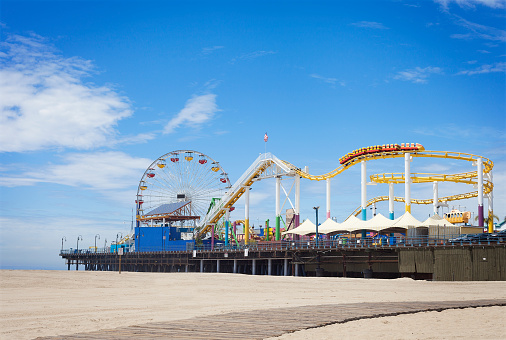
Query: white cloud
328 80
496 67
417 75
370 24
45 103
106 172
197 111
471 3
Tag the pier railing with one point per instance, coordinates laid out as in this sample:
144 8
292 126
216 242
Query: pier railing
322 244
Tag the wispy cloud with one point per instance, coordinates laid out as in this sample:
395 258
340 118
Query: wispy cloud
252 55
477 31
46 103
197 111
417 75
496 67
209 50
370 24
471 3
328 80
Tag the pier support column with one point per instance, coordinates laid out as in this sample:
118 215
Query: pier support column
269 267
297 269
253 267
201 266
217 266
246 216
277 235
407 181
435 199
479 164
328 197
391 200
186 269
285 267
235 266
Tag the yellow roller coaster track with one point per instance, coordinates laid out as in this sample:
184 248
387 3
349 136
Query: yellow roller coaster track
487 163
466 177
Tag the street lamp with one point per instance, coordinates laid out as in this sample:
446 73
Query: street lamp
63 238
117 235
316 209
81 238
96 241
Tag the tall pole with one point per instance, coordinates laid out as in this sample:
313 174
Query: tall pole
227 225
297 203
316 239
480 191
96 241
63 238
328 197
363 187
246 216
278 209
391 200
435 198
490 206
407 181
77 251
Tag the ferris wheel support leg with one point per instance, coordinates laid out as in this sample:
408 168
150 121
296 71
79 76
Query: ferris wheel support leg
480 191
246 216
391 200
363 189
407 181
278 209
435 197
328 197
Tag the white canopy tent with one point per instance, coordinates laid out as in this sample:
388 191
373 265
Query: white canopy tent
330 226
436 220
307 227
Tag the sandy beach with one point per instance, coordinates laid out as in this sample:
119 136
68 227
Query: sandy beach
47 303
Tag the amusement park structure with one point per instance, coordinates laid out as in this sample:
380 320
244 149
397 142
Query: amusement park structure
190 194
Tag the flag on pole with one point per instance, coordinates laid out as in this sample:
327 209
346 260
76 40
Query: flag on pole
266 137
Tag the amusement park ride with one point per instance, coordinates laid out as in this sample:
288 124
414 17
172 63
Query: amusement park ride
188 196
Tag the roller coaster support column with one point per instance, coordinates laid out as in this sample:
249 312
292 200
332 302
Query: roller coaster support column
391 200
363 184
297 203
435 198
246 216
227 226
490 206
407 181
363 191
480 191
328 197
278 209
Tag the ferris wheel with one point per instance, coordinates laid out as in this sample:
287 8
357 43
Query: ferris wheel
180 177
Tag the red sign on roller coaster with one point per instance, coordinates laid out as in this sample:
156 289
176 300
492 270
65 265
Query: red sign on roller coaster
192 177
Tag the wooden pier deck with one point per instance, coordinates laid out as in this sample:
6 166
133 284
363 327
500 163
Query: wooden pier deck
265 323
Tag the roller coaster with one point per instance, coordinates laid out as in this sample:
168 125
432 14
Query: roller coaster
267 165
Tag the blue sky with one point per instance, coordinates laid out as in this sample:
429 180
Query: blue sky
92 92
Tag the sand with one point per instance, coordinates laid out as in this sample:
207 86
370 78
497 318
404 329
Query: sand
43 303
